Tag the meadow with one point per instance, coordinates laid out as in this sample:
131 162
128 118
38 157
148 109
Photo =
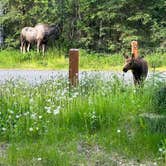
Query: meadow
58 60
99 122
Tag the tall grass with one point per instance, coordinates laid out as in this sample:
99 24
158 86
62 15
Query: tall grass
52 124
55 59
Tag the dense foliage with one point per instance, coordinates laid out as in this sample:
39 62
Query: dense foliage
98 25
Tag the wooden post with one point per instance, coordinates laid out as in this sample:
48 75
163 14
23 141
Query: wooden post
73 66
134 48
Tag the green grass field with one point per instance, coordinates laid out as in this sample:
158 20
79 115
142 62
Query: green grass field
97 123
10 59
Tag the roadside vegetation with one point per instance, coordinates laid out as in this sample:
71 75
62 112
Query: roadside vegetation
99 122
54 59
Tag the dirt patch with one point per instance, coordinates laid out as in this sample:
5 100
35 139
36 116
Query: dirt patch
3 148
97 156
3 153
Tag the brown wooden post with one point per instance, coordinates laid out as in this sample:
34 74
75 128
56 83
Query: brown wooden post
134 48
73 66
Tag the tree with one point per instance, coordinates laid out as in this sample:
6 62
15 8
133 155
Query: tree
96 25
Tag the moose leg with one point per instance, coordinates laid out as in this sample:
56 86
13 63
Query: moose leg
135 79
28 47
22 41
138 81
24 47
135 82
43 48
21 47
38 45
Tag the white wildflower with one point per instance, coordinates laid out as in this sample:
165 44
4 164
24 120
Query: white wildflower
75 94
64 92
26 113
3 129
56 111
33 116
118 131
160 149
17 116
39 159
49 100
10 111
30 129
40 116
93 115
49 111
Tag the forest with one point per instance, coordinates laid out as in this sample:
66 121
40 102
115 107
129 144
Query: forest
96 25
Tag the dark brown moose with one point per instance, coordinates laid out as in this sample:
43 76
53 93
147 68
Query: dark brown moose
139 68
40 34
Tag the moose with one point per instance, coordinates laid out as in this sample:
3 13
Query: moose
40 34
27 37
138 66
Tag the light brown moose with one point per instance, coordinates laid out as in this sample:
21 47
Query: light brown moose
27 37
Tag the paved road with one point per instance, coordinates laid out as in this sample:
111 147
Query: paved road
38 76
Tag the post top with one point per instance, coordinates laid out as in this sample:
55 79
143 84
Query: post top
134 48
74 49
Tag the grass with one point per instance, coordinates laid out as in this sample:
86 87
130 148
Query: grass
14 59
10 59
97 122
